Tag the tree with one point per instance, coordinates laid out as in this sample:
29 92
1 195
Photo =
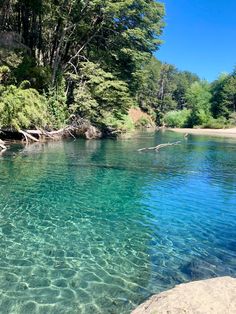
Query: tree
198 100
97 92
22 108
183 81
224 95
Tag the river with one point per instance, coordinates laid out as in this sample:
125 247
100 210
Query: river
97 227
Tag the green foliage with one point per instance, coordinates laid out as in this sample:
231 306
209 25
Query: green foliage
232 119
22 108
143 122
219 123
10 58
124 123
38 76
99 47
84 104
162 88
91 58
57 107
24 84
100 92
179 118
4 74
198 100
183 82
224 95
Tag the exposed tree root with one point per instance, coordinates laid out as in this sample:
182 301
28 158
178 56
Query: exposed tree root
78 128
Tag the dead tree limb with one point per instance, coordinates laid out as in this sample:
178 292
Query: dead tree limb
158 147
2 145
28 136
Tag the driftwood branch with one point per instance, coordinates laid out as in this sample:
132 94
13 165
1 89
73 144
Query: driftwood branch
3 148
78 127
28 136
2 145
158 147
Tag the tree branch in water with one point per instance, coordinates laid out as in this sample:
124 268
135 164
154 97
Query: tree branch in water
158 147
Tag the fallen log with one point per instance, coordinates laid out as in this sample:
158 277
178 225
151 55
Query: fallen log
28 136
51 133
158 147
80 128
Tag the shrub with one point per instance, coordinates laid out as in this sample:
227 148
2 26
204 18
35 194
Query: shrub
232 119
124 123
177 119
57 107
22 108
219 123
143 122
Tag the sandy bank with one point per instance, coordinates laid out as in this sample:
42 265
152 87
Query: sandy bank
212 296
211 132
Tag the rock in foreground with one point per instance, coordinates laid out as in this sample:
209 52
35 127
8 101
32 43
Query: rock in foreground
212 296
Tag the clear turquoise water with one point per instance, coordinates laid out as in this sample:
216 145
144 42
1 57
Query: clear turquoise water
96 227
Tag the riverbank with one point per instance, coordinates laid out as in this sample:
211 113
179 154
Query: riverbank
211 132
212 296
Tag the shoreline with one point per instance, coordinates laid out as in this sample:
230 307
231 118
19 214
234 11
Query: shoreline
209 132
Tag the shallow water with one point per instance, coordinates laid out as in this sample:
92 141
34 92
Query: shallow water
96 227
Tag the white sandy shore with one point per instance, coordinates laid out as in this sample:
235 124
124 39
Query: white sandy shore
212 132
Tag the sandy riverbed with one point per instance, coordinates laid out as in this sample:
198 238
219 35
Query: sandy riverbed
212 132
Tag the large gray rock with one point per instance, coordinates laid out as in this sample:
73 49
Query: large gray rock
212 296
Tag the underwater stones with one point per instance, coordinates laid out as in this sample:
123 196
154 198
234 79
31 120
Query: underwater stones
28 307
38 282
211 296
198 269
61 282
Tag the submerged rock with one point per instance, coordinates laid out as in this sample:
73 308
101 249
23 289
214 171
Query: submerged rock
198 269
212 296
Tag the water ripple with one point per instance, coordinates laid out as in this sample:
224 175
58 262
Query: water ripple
95 227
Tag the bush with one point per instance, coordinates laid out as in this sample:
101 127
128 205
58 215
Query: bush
232 119
57 107
219 123
143 122
198 117
124 123
177 119
22 108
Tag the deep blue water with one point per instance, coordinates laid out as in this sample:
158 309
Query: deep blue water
97 227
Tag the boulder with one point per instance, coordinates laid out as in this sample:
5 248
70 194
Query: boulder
212 296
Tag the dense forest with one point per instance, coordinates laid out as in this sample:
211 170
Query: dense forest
60 60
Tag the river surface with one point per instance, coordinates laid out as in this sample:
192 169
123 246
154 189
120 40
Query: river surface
97 227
